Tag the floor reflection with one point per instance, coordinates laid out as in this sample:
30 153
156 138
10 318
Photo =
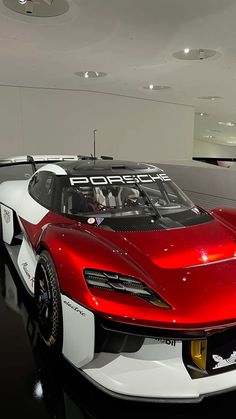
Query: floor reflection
35 385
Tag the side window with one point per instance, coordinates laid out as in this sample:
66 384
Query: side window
41 187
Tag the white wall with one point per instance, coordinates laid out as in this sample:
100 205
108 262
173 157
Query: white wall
204 149
44 121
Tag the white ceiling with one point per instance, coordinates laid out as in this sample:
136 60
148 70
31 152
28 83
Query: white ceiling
133 41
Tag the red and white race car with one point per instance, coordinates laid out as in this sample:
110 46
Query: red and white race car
132 282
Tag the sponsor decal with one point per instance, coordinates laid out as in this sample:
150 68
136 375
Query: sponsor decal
221 362
26 270
99 220
123 179
170 342
91 220
7 215
74 308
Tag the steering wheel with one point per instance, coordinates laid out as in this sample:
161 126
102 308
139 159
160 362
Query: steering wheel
97 206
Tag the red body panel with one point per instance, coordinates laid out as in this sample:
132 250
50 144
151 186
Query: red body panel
191 268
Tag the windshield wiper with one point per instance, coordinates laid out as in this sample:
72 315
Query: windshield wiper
145 195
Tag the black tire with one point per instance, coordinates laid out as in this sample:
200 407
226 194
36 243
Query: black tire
1 236
48 309
2 263
2 278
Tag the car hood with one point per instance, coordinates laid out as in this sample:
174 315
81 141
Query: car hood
202 244
192 268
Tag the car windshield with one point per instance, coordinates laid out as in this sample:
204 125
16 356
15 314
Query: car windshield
124 200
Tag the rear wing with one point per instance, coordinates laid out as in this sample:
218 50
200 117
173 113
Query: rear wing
33 160
22 167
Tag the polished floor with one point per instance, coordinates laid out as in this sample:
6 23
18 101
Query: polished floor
33 385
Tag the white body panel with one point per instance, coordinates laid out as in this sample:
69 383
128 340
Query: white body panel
7 224
53 168
155 371
15 195
11 192
27 263
78 332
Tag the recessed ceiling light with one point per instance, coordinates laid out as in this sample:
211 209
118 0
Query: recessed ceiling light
156 87
90 74
195 54
209 137
202 114
227 124
38 8
213 98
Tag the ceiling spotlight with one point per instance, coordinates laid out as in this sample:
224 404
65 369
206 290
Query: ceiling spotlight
212 98
195 54
38 8
209 137
202 114
90 74
156 87
227 124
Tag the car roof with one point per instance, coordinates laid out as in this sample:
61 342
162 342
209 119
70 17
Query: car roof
89 166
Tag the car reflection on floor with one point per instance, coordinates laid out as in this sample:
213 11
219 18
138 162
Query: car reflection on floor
30 380
33 384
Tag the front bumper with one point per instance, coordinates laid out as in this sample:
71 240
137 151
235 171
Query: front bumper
156 372
135 365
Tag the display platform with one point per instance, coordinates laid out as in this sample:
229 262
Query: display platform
33 384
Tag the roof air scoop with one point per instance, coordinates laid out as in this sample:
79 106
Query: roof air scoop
118 166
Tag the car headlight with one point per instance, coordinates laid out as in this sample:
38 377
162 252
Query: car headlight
111 281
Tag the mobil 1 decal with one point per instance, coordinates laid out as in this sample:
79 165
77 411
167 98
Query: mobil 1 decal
119 180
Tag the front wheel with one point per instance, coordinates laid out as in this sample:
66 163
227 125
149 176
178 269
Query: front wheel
48 302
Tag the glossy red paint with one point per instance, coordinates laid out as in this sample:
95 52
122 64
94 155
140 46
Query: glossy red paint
34 231
225 215
192 269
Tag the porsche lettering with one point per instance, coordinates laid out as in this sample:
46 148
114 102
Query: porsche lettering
122 179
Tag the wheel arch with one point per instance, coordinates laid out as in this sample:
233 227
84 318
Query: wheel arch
72 326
